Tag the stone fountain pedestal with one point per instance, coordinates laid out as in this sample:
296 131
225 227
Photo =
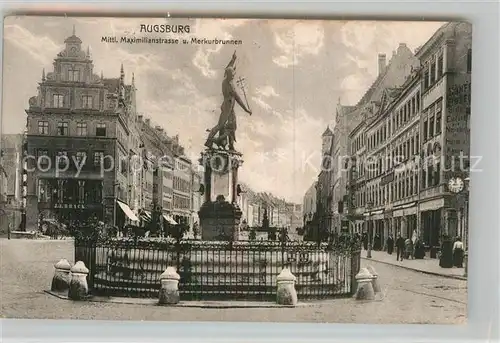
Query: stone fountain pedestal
219 214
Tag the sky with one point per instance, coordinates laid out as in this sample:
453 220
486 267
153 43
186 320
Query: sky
296 73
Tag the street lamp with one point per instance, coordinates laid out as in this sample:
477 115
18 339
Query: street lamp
369 251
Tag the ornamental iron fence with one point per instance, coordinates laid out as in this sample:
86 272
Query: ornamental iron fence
218 270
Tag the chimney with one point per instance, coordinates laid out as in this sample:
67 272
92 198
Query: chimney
381 63
148 121
140 117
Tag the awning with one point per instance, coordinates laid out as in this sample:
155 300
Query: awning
169 219
128 212
146 215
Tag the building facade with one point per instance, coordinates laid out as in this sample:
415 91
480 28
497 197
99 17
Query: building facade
445 129
390 75
309 204
79 143
403 156
324 185
11 155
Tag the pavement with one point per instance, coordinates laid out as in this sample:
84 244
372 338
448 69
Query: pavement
427 265
408 296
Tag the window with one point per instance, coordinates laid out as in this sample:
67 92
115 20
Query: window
426 77
62 158
437 172
74 75
81 156
430 176
440 67
425 130
58 100
98 157
43 127
433 73
469 60
62 129
431 127
100 130
81 129
424 177
87 101
417 143
42 161
438 121
418 101
123 166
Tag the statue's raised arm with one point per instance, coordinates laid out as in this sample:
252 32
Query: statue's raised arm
232 61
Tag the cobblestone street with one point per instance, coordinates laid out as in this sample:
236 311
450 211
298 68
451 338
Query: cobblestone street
409 297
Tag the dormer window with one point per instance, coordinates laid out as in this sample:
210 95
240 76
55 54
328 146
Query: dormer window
87 101
58 100
73 75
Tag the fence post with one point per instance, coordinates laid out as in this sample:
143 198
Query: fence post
355 267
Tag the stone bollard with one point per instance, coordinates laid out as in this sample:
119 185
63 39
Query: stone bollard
169 291
375 281
78 287
286 293
365 287
62 278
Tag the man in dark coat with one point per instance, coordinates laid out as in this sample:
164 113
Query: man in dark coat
390 244
365 240
400 248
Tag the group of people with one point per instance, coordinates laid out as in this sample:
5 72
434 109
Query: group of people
405 248
413 248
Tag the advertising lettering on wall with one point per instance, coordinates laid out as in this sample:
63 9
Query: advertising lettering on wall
457 136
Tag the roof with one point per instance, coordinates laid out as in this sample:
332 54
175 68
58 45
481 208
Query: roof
327 132
438 34
368 94
73 39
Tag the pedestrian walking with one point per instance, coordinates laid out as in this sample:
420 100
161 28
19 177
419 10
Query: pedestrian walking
458 253
365 240
408 249
400 246
390 244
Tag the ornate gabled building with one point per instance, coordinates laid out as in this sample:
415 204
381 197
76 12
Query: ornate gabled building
80 139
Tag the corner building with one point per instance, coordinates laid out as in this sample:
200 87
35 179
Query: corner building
406 154
446 61
80 118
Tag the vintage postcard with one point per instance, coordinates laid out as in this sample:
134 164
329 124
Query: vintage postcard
242 166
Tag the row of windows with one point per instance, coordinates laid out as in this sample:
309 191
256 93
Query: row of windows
181 202
181 185
61 101
358 143
63 129
433 70
402 187
62 157
400 154
395 122
69 191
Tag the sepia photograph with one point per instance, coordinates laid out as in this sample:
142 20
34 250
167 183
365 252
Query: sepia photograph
236 170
